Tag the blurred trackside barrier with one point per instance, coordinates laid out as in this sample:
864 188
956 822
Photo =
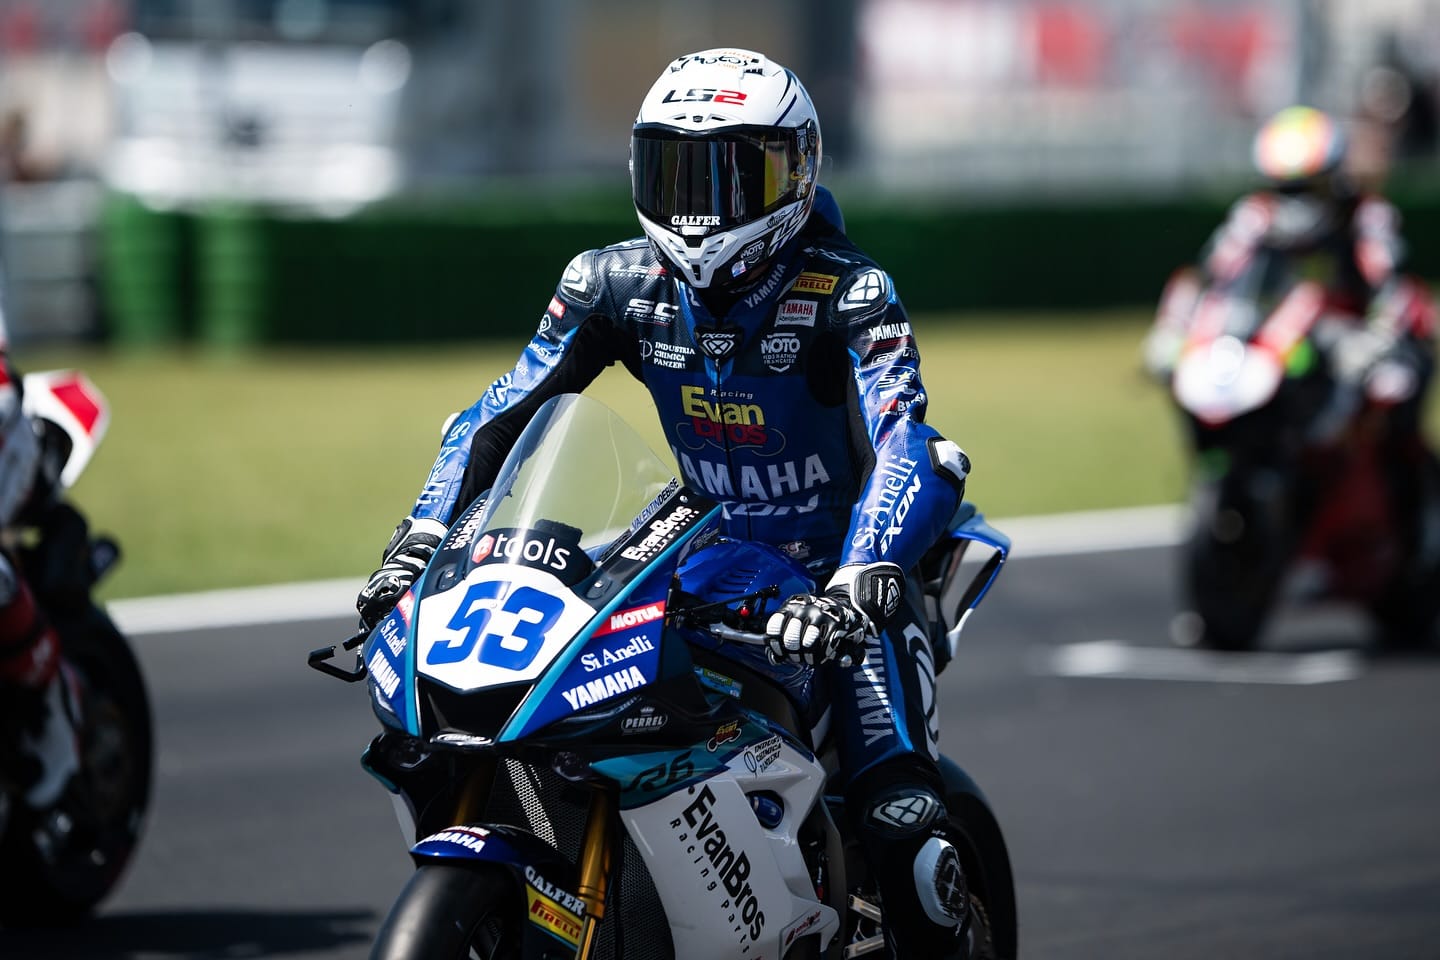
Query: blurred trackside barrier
239 276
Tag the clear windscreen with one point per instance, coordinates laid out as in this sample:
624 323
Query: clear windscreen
1257 291
580 465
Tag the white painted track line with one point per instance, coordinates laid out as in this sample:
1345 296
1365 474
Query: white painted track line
242 607
1043 536
1095 531
1115 660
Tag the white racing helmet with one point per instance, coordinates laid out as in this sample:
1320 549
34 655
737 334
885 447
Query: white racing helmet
723 163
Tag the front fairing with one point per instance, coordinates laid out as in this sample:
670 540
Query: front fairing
1225 379
547 597
1248 376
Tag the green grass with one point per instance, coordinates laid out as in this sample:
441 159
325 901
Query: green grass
228 471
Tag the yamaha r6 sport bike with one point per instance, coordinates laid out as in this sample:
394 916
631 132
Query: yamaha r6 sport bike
597 756
1288 494
59 862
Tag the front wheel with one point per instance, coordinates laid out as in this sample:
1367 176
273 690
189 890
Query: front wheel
1233 564
449 912
62 861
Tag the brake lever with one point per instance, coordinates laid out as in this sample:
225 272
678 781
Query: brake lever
320 660
697 613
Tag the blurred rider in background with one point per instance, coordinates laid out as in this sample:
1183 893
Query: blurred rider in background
786 377
37 733
1312 213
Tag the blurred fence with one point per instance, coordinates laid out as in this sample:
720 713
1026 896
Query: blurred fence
234 276
1030 153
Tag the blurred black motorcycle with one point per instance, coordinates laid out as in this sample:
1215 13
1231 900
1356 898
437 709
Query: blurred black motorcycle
59 862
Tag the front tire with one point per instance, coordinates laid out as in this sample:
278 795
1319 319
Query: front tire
62 861
449 912
1234 563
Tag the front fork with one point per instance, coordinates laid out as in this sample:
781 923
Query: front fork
596 846
596 859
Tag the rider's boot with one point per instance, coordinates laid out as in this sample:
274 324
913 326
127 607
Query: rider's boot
37 702
924 899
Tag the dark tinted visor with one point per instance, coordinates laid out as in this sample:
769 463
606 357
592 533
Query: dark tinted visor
1320 185
724 180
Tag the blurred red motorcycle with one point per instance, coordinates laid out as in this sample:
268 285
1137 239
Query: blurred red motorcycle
61 860
1289 494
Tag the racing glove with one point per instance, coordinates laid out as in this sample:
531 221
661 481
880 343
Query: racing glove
409 550
1376 363
812 630
1358 352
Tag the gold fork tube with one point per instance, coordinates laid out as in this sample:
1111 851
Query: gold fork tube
595 859
587 939
475 793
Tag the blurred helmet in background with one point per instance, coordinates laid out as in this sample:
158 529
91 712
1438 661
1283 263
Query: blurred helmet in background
724 158
1301 153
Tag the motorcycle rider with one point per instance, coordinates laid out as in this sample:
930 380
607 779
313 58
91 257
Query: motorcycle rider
1311 213
37 730
786 377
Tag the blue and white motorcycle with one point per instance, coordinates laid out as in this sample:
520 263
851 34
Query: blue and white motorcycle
595 753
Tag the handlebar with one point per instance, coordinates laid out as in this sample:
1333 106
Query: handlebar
320 660
722 618
738 636
711 617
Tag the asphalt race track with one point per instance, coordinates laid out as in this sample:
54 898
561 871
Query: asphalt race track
1158 803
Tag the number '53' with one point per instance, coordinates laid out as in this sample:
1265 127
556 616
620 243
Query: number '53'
535 612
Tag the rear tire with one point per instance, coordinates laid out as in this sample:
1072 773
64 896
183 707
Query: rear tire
993 933
1406 616
977 838
1407 613
449 912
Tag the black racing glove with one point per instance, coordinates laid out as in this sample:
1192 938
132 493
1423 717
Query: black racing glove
815 629
409 550
812 629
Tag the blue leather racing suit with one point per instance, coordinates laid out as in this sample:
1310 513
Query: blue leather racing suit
801 410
